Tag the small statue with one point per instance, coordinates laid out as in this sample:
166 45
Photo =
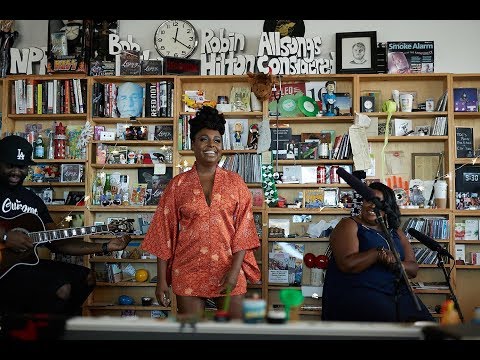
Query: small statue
238 129
253 137
329 98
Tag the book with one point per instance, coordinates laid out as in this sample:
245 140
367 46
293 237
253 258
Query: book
465 99
405 57
151 67
257 197
163 132
129 62
471 229
313 198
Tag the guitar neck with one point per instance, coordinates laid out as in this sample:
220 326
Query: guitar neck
60 234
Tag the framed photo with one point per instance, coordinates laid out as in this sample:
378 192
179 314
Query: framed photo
425 165
356 52
71 172
422 130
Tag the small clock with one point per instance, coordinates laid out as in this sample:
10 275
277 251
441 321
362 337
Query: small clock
176 38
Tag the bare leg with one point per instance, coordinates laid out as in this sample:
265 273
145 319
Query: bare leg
236 305
191 306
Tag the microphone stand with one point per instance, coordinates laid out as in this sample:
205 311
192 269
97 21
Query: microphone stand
441 265
400 270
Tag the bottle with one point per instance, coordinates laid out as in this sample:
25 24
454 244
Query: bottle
39 149
51 151
107 188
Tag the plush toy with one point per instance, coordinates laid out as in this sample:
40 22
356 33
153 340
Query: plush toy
261 84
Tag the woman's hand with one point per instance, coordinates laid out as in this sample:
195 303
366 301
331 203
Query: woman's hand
228 281
387 258
162 293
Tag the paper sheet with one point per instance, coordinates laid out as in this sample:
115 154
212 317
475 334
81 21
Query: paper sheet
359 142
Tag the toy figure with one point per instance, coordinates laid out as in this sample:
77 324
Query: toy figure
253 137
329 98
238 129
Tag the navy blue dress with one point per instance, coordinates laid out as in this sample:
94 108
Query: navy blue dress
370 294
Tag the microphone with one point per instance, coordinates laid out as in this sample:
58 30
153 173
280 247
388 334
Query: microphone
429 242
356 184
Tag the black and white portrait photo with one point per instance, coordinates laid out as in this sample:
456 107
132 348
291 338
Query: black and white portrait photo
356 52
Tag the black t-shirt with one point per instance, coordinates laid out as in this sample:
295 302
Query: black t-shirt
21 200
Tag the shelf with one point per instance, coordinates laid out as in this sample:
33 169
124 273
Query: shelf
134 121
125 166
233 114
467 161
316 186
135 142
127 284
313 119
131 78
133 237
324 211
408 138
314 162
468 267
466 114
121 208
224 152
127 307
298 239
60 161
413 114
47 183
431 291
104 259
467 213
65 208
468 242
49 117
425 212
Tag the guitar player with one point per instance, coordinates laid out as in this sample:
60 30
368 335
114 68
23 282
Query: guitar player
51 287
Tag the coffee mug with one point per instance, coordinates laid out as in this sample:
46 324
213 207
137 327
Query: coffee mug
406 102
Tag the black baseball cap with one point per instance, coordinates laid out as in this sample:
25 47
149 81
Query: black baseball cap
16 150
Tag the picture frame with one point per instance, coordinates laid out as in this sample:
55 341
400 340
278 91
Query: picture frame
425 165
356 52
71 172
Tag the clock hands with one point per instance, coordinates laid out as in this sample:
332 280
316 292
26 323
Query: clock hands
176 33
175 38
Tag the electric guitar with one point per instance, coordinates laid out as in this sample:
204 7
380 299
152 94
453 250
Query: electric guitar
33 226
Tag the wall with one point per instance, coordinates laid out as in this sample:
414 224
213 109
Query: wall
456 48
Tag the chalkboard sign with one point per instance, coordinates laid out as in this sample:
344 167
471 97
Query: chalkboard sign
464 142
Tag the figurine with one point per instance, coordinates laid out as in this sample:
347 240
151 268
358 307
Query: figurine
253 137
238 129
329 98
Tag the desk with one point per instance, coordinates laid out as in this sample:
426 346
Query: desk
114 328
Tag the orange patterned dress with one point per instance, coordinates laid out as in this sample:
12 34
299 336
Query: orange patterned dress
198 239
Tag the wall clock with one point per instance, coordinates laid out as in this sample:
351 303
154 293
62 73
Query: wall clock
176 38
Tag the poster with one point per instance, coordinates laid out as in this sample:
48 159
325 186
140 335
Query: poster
405 57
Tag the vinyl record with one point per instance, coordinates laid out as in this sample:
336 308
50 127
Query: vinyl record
307 106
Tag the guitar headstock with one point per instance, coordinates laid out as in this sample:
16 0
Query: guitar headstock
121 226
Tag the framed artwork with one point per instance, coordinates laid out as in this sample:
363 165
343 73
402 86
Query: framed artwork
356 52
71 173
426 165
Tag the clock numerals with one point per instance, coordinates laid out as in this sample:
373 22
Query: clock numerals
176 38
